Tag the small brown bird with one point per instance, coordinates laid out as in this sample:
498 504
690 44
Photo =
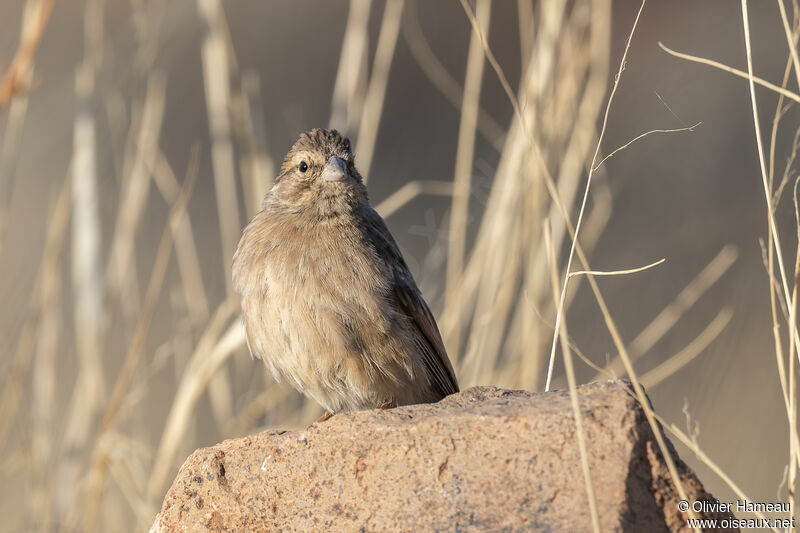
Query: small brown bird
327 300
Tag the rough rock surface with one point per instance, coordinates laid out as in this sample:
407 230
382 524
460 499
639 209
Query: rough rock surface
483 460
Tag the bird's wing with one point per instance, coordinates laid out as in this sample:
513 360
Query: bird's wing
411 303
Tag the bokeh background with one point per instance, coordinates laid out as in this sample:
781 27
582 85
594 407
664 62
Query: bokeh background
120 350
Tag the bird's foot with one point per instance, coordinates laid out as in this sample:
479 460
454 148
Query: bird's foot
324 417
386 405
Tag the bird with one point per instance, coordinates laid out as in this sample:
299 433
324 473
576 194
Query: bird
328 301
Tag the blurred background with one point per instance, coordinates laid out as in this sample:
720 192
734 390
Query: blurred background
137 137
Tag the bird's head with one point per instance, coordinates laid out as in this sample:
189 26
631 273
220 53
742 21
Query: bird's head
318 176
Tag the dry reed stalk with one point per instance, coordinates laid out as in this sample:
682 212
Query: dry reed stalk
614 332
642 136
493 257
116 112
674 363
527 372
480 280
126 480
350 85
610 324
634 270
465 153
527 29
410 190
153 292
258 168
706 460
790 394
376 90
772 226
669 316
441 79
9 152
571 166
135 189
793 438
495 309
9 155
17 76
790 40
520 124
736 72
55 236
576 410
573 161
794 446
216 72
212 351
568 268
38 340
551 262
787 171
43 389
773 289
185 248
135 349
89 389
570 372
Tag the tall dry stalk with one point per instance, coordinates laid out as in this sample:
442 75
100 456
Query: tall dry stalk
216 72
121 271
102 448
376 90
18 75
87 285
465 153
350 85
258 167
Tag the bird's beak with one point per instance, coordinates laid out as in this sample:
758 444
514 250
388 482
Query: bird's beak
335 170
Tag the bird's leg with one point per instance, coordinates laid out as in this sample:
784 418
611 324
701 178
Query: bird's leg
324 417
386 405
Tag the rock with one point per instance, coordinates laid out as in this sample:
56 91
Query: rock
486 459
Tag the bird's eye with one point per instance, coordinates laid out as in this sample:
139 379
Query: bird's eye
303 167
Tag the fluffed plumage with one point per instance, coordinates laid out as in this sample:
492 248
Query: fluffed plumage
327 299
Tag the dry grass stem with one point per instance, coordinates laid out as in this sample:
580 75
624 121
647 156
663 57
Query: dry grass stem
9 154
135 189
790 40
735 72
670 315
442 80
136 347
376 90
89 391
616 272
350 85
216 58
773 231
185 247
692 445
643 135
560 309
465 153
258 168
17 76
674 363
205 363
402 196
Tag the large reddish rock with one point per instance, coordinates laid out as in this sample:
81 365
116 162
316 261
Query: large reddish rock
486 459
